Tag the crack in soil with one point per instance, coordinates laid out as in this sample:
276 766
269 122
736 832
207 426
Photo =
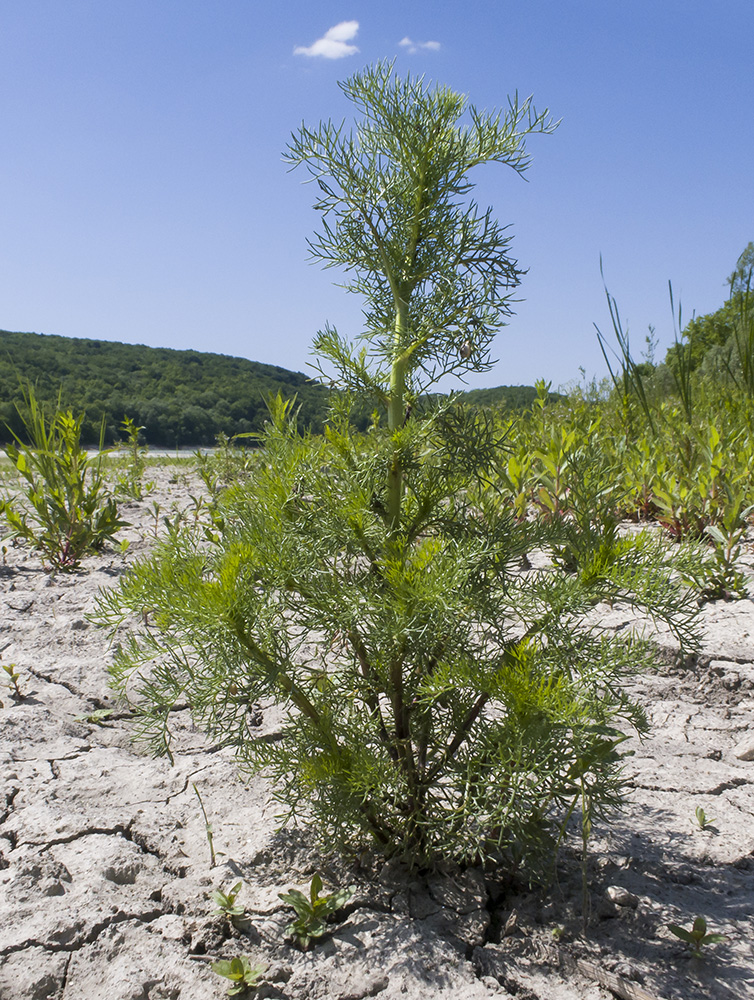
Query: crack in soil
117 830
9 799
186 783
724 786
22 607
55 680
86 748
89 938
142 842
64 981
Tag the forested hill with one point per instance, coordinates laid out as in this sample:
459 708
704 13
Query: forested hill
180 397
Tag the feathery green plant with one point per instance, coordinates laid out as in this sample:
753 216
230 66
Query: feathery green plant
441 703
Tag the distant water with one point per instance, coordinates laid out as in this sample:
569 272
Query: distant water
160 452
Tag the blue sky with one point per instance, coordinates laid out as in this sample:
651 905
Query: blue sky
143 197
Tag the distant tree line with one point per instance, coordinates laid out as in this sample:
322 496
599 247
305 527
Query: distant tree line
181 398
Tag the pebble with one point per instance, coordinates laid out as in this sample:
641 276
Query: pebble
621 897
745 749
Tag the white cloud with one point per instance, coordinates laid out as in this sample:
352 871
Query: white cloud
333 44
412 47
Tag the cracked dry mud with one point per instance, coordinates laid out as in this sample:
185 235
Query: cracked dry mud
105 872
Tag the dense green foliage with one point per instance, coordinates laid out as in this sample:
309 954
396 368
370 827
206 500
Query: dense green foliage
185 398
178 397
442 703
591 461
511 397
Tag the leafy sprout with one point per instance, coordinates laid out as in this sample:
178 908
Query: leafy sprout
241 973
697 938
312 913
226 902
702 819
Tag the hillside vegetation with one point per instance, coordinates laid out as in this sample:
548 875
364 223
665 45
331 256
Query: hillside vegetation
181 398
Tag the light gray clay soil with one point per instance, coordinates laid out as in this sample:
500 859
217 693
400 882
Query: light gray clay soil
105 874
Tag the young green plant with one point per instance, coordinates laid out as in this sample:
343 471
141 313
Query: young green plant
226 902
702 819
68 510
12 678
312 912
697 938
132 483
242 974
207 829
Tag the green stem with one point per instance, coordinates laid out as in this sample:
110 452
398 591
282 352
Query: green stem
286 683
395 417
463 731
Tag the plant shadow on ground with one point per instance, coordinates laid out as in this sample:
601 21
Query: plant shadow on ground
672 887
632 942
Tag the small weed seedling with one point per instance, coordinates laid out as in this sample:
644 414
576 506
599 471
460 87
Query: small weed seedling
13 677
208 829
703 819
697 937
131 484
226 903
98 717
241 973
312 913
156 511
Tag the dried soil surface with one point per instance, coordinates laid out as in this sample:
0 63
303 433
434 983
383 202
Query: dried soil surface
105 875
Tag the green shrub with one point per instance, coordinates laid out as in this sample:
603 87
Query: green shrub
441 703
68 511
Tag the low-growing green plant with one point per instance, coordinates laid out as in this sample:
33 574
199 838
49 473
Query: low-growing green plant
12 678
131 484
702 819
230 462
226 902
98 717
68 510
714 570
697 937
312 913
155 511
242 974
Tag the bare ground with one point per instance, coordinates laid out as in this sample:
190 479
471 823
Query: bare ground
105 874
